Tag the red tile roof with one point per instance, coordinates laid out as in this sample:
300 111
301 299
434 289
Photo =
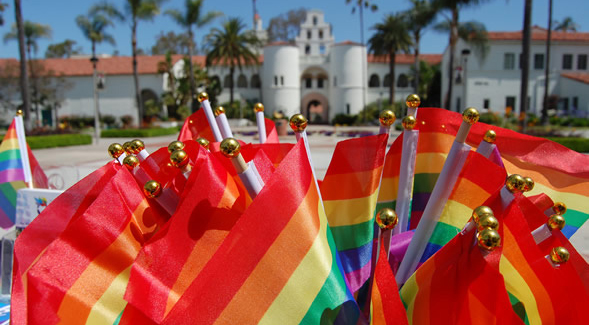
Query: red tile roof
406 58
347 43
577 76
540 34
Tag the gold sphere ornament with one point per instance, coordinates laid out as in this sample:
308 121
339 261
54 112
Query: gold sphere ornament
19 112
515 183
179 158
115 150
481 212
490 136
386 219
203 142
258 107
470 115
136 146
219 110
529 184
413 101
409 122
488 239
127 147
559 255
488 221
556 221
559 208
131 162
175 146
230 147
152 189
387 118
298 123
203 96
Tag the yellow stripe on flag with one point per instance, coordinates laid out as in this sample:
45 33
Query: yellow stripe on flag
351 211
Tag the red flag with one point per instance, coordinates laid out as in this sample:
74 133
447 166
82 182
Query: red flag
271 134
196 126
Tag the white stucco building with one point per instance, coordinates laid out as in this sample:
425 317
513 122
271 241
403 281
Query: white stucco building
494 82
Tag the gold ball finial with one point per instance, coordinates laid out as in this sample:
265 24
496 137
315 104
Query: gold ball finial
203 142
559 255
556 221
488 221
115 150
298 123
488 239
219 110
528 184
559 208
490 136
480 212
175 146
131 162
203 96
515 183
230 147
179 158
386 219
152 189
409 122
127 147
470 115
387 118
413 101
258 107
19 112
136 146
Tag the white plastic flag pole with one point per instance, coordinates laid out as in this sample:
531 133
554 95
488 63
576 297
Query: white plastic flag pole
137 148
438 198
261 121
406 173
248 173
487 146
203 98
23 148
223 122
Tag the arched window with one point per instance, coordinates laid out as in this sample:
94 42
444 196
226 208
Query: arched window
255 82
228 82
241 81
374 81
387 80
402 82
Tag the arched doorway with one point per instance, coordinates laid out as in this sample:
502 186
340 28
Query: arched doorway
151 104
315 107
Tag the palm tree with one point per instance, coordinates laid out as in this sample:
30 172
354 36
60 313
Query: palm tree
390 37
192 17
134 10
231 46
2 8
453 7
566 25
526 41
32 33
419 17
24 76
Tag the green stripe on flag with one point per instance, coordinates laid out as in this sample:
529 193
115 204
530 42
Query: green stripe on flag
353 236
443 233
9 154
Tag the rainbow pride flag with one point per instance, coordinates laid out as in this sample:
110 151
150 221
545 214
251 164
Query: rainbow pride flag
280 258
349 191
12 177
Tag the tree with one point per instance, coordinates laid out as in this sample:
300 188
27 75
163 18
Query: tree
64 49
566 25
231 46
135 11
419 17
286 27
172 43
526 42
190 18
390 36
452 7
3 7
24 76
427 81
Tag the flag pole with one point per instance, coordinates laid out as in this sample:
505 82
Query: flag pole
223 123
23 148
203 98
487 145
441 192
247 172
260 120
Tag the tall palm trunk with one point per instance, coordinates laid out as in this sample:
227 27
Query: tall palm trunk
24 76
547 66
135 74
34 80
95 94
195 104
525 61
392 56
417 38
453 41
231 71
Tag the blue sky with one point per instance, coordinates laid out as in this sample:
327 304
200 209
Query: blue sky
497 15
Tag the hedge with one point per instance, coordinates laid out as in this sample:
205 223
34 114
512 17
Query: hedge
576 144
58 140
138 133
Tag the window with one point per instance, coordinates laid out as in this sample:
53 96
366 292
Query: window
486 103
567 61
282 80
241 81
508 61
348 109
308 34
321 34
275 80
374 81
307 49
565 104
255 81
575 103
402 82
582 62
314 20
538 61
320 83
334 81
321 49
510 102
227 82
387 80
308 83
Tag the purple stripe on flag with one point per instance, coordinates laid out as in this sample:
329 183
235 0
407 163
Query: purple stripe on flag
419 201
11 175
356 279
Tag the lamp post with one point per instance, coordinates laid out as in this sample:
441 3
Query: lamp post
465 53
94 61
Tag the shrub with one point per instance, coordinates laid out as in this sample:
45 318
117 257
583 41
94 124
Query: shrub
344 119
58 140
576 144
138 133
108 120
491 118
77 122
126 120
